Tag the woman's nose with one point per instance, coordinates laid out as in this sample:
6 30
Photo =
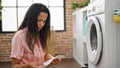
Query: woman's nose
42 23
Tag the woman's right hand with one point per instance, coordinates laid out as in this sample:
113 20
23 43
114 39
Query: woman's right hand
16 64
33 65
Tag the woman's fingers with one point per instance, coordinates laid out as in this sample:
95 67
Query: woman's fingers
56 61
41 66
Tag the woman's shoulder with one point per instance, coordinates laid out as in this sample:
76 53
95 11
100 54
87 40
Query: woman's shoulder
20 32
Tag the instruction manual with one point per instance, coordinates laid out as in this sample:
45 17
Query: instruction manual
46 63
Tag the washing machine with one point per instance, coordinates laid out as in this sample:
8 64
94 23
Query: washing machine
79 36
103 35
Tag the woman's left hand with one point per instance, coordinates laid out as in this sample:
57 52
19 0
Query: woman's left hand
56 61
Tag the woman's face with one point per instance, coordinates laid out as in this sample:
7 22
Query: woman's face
41 20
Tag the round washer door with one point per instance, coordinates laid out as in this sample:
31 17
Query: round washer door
95 40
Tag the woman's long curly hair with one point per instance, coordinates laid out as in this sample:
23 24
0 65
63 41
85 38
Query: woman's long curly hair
30 21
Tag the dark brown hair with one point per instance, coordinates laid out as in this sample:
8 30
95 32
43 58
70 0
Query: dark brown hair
30 21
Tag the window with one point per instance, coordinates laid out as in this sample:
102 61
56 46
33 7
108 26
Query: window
13 13
0 17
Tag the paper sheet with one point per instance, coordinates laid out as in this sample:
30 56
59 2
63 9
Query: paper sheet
50 60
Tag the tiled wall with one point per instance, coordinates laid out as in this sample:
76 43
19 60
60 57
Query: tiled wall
63 40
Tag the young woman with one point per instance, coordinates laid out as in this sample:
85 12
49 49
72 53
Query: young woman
29 44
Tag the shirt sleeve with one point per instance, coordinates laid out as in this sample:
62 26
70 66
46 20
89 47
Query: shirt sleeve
16 47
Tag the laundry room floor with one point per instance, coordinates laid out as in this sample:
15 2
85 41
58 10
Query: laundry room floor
66 63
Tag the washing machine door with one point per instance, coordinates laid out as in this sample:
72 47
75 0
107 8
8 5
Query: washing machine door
95 40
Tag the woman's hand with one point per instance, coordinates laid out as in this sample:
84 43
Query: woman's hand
33 65
56 61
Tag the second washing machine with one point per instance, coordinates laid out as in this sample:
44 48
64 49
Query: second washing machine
103 35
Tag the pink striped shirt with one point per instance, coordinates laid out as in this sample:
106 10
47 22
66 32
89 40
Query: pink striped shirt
21 51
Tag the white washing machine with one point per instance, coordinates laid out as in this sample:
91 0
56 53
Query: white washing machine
103 35
79 41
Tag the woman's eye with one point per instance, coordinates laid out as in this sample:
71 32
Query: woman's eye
39 20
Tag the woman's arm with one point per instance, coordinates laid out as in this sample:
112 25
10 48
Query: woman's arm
15 64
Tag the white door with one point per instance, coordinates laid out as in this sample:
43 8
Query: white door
95 40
